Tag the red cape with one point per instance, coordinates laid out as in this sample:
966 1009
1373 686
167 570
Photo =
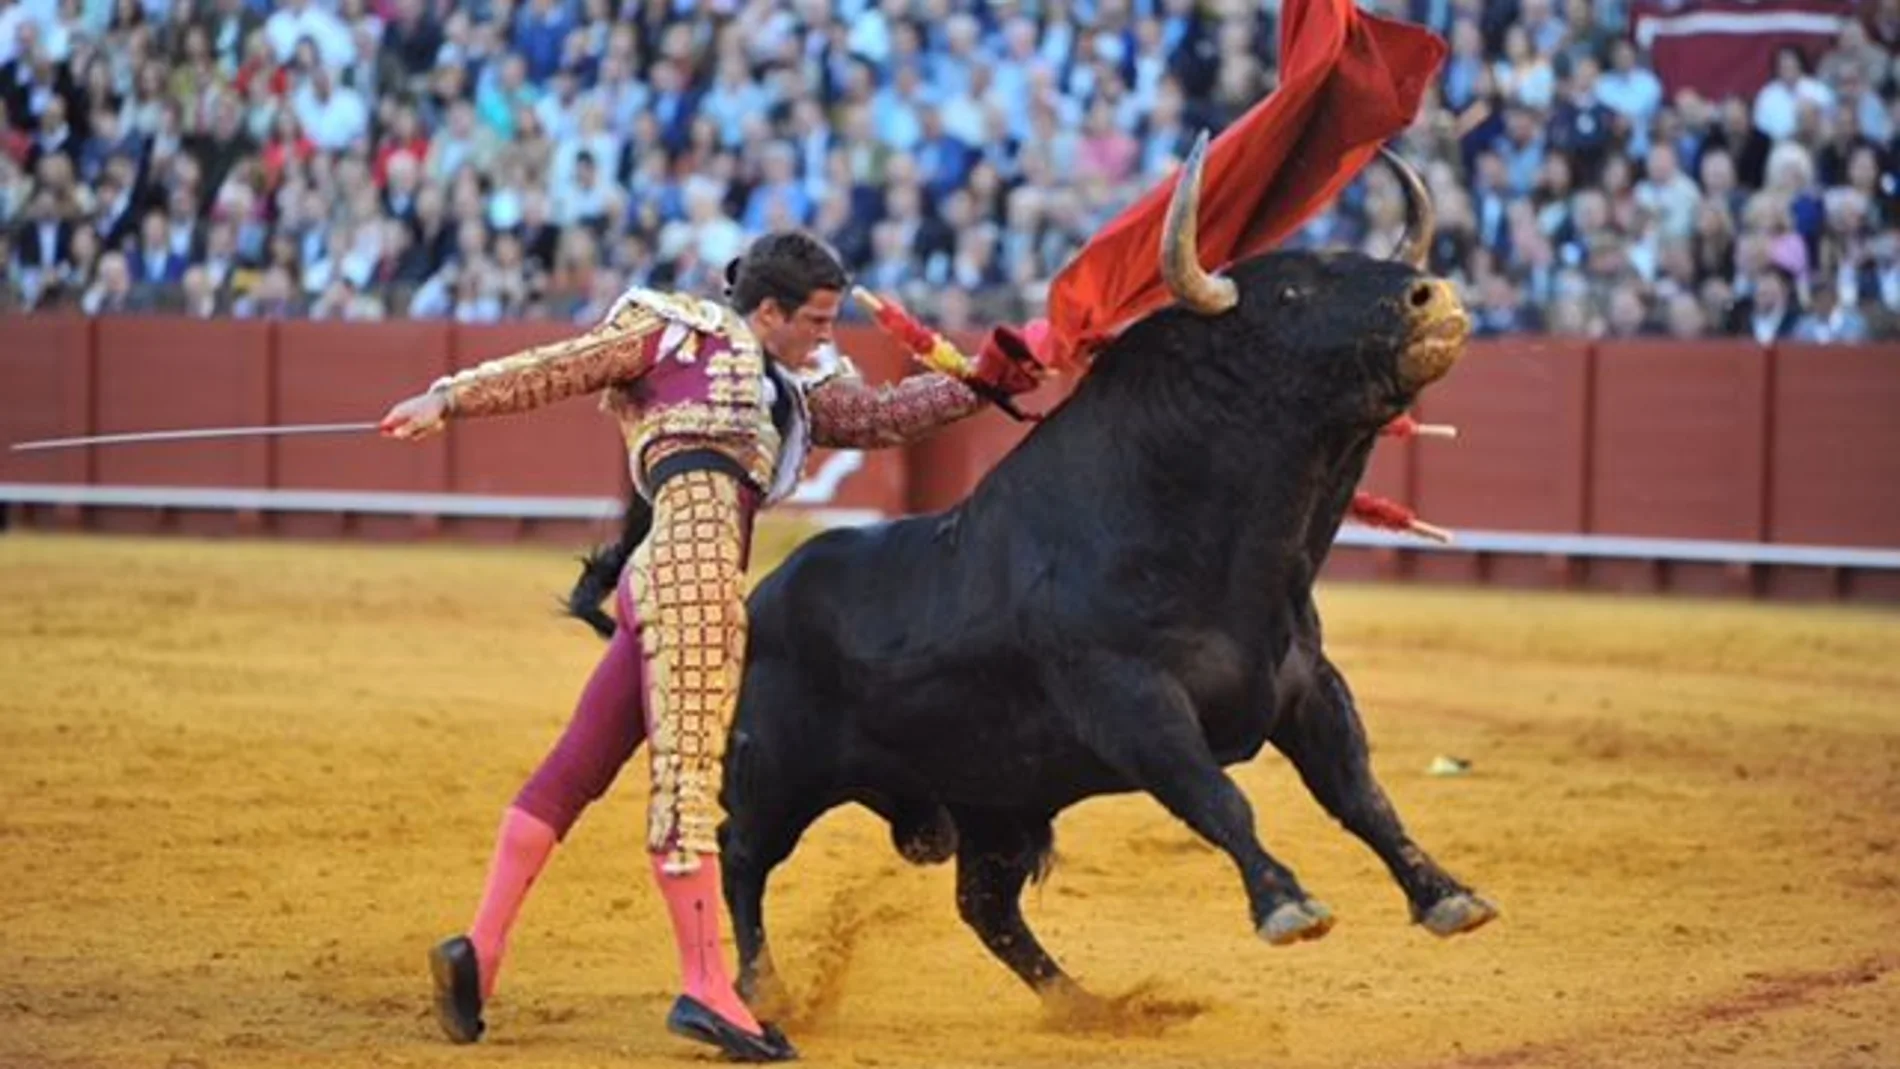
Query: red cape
1349 82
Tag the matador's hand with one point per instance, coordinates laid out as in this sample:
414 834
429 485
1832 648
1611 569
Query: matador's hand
1007 365
418 417
1007 362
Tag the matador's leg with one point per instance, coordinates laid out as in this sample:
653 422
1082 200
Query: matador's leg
689 584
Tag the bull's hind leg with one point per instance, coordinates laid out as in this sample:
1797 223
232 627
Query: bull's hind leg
1138 720
1326 742
775 785
751 846
996 855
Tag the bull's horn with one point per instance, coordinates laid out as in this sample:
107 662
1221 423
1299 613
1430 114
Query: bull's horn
1206 293
1421 219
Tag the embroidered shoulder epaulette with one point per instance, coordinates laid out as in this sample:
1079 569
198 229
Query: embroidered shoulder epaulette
685 309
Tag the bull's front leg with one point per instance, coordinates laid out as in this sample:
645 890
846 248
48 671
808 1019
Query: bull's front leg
1326 741
1139 721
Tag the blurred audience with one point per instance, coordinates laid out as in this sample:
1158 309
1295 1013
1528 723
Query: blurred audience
498 159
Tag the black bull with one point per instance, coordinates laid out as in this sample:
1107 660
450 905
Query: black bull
1125 603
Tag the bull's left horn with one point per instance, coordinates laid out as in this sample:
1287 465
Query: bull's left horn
1209 294
1421 219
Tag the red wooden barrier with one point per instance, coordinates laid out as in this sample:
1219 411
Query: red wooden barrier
1679 443
1520 461
1716 440
1835 467
567 449
46 372
348 372
185 373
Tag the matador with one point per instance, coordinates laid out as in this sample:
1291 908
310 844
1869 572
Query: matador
719 411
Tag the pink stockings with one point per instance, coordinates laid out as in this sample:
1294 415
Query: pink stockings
522 848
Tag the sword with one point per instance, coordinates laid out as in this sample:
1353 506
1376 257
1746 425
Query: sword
195 435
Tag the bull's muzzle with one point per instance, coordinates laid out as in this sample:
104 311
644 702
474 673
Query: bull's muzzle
1437 327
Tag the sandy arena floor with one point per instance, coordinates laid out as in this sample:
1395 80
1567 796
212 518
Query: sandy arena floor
246 786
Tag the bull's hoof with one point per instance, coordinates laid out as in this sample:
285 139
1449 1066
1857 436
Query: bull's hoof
1065 999
1295 922
767 996
1457 913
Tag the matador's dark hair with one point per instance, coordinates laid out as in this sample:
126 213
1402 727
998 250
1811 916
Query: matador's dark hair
785 266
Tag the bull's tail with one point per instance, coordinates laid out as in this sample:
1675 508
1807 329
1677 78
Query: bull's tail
601 568
1043 842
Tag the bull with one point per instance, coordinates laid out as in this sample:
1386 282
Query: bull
1124 603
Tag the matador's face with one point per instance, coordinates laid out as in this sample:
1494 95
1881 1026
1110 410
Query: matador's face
791 339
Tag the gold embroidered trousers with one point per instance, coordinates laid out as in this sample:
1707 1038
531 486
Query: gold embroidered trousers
688 581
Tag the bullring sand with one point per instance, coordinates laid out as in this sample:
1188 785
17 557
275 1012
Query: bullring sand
247 785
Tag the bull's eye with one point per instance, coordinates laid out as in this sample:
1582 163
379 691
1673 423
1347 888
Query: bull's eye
1289 294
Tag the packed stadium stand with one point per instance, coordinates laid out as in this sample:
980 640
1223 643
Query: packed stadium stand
1674 169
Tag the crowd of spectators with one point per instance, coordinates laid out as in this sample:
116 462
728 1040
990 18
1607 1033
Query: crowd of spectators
364 159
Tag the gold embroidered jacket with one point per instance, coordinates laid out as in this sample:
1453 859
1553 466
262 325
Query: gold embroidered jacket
679 372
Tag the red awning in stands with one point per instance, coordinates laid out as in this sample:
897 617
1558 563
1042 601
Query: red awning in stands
1723 48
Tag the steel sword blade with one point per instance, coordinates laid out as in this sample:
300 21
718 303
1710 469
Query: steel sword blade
139 437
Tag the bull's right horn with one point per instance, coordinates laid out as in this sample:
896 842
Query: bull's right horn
1421 219
1208 294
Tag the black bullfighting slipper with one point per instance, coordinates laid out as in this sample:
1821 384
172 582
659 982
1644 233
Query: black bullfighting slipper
695 1020
458 989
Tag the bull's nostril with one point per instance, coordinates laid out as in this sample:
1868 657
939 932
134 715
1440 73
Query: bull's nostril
1421 296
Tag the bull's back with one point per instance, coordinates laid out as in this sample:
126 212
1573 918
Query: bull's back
873 614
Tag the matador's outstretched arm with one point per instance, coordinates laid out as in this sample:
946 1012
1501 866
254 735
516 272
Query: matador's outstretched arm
620 348
848 413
